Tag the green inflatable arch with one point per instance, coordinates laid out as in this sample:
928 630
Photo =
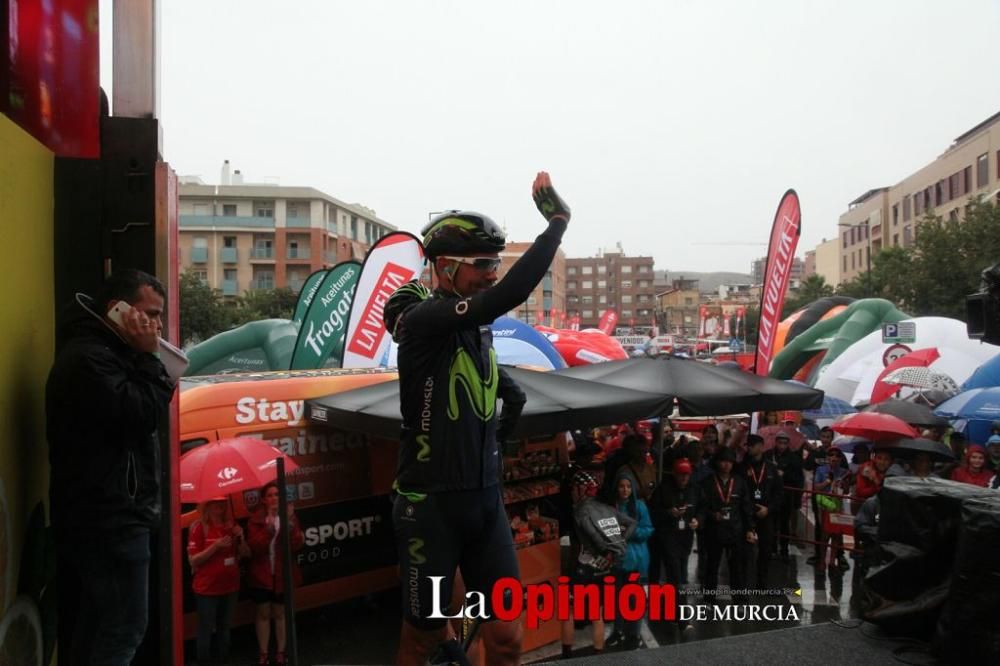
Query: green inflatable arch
834 335
253 347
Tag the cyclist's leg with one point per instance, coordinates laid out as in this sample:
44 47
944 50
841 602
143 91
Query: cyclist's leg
427 548
488 557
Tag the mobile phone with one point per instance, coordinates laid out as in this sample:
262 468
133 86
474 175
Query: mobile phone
117 313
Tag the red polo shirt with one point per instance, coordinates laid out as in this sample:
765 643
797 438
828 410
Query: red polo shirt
219 574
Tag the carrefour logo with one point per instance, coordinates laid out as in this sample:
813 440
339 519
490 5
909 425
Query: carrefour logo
228 473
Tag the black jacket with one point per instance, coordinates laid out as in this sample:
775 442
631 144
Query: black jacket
103 403
790 462
733 502
768 491
668 495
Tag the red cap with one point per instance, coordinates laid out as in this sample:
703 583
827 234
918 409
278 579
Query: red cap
682 466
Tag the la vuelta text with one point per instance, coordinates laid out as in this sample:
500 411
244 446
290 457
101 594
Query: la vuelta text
541 601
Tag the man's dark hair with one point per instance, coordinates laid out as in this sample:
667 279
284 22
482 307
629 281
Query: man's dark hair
755 439
826 429
124 285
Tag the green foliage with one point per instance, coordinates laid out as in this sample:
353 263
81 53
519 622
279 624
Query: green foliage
266 304
811 289
935 274
202 310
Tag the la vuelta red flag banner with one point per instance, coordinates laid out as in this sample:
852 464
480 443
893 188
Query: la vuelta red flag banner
608 321
777 272
393 260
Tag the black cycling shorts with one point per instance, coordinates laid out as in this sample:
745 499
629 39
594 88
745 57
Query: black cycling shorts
464 529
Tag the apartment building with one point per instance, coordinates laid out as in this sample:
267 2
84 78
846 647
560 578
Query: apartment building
677 308
890 216
240 237
611 280
758 266
550 294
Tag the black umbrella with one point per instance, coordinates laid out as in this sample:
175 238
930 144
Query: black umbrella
701 389
554 404
911 412
908 448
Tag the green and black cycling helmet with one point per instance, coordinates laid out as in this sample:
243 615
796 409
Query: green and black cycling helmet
462 233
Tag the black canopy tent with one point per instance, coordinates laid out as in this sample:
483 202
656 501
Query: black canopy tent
554 403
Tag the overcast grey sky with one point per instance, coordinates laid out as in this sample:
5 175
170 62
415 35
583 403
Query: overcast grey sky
664 124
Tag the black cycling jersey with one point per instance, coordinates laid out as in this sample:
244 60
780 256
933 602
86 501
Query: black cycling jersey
449 380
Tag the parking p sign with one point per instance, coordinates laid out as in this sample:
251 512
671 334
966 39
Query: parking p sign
902 332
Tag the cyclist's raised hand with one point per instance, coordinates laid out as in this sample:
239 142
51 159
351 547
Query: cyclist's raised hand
549 203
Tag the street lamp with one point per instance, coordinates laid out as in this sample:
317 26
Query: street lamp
868 252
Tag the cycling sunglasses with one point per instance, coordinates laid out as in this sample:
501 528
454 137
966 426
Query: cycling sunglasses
484 264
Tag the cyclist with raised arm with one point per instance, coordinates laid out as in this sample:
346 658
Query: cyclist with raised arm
449 511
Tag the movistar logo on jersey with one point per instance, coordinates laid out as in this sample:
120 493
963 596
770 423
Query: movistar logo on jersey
481 392
424 442
415 546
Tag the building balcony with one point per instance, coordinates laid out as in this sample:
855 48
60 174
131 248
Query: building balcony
199 255
262 253
262 284
228 255
298 222
229 288
300 254
203 221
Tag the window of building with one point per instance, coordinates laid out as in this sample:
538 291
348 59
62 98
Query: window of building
229 210
643 284
572 299
688 300
998 164
953 215
588 284
906 208
852 261
626 268
938 193
201 275
602 299
895 214
263 208
588 314
846 236
982 170
293 249
626 298
571 285
291 210
967 177
602 284
626 284
907 236
895 239
199 241
587 270
918 203
626 313
602 270
229 241
587 300
845 263
571 270
854 238
354 228
202 209
644 268
532 300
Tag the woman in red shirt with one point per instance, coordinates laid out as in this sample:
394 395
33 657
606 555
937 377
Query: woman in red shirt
264 580
974 470
215 545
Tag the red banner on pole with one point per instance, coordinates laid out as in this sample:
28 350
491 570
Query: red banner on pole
777 272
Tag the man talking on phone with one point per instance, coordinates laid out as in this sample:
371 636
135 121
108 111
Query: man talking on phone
105 395
449 511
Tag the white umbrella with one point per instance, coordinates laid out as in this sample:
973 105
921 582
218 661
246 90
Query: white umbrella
921 378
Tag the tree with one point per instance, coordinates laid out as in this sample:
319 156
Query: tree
811 289
202 312
265 304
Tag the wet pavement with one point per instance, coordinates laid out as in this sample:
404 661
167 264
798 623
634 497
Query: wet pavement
365 631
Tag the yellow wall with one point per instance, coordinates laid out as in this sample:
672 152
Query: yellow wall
27 318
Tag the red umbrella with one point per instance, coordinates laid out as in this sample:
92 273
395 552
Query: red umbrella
919 358
769 433
874 426
228 466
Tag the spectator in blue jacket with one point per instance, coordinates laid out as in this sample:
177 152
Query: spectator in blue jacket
636 558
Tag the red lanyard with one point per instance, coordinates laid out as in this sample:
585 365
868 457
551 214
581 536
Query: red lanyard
753 475
729 493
